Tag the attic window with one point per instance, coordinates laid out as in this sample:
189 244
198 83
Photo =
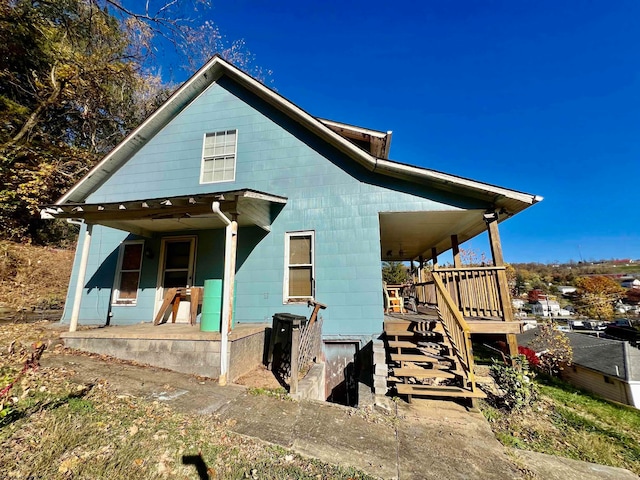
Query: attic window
219 157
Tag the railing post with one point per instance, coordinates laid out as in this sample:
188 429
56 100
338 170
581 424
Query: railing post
503 287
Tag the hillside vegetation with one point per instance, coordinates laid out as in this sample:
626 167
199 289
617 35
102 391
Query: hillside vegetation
568 422
33 278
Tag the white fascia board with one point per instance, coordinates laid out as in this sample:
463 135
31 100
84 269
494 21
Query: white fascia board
366 131
304 118
388 166
154 123
184 95
207 75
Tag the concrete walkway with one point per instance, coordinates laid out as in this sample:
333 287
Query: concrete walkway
424 440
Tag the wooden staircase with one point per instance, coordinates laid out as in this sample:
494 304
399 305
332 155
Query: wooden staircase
424 360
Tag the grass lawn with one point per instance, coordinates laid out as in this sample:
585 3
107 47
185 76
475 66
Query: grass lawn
572 423
55 429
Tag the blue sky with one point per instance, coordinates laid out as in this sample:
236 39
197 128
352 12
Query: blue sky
536 96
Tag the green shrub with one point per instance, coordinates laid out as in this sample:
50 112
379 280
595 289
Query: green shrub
515 382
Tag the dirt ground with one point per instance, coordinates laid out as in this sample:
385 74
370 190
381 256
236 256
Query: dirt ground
261 377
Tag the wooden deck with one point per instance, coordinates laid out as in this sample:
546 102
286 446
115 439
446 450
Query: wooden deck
486 325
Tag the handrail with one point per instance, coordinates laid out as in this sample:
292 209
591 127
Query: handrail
450 303
469 269
456 329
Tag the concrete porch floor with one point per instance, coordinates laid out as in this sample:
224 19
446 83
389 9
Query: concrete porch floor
180 347
164 331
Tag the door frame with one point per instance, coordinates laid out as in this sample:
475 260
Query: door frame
161 261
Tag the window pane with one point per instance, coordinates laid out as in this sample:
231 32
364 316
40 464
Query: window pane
131 256
300 250
175 279
219 156
128 285
208 166
300 282
177 255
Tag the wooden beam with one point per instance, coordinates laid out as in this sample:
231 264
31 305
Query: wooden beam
455 247
494 241
434 257
503 285
494 326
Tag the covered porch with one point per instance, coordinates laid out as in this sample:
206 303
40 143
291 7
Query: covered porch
429 344
179 222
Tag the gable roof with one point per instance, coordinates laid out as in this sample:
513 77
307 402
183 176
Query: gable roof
614 358
510 200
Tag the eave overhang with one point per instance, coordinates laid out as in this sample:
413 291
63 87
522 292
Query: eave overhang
171 214
509 200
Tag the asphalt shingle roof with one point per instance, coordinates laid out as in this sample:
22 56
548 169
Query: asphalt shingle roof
599 354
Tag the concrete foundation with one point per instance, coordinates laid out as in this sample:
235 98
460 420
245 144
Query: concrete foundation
312 386
181 348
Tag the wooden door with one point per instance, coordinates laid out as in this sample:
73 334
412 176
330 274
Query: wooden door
177 269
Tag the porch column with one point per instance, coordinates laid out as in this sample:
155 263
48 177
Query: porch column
82 272
230 246
434 258
503 286
455 247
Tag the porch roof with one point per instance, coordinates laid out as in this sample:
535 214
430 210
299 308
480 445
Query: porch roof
409 235
170 214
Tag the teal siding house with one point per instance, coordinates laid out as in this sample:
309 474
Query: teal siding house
229 180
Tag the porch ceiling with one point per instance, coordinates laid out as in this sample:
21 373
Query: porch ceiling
171 214
408 235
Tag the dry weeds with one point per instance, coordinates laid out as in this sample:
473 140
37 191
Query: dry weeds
33 277
53 428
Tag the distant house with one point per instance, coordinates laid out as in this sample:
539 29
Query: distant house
566 289
546 308
517 303
609 368
630 283
535 295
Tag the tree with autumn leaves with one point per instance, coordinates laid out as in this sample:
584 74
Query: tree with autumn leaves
597 295
74 80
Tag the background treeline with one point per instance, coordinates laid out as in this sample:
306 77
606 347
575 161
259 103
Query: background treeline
75 77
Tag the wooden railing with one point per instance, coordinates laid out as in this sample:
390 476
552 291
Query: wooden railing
475 291
457 332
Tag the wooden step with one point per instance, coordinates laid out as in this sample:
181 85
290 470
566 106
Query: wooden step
437 391
408 333
407 357
422 373
451 358
401 344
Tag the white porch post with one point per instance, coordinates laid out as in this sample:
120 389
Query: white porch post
231 232
82 272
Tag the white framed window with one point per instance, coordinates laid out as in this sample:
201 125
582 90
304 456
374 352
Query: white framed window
219 157
125 289
299 267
